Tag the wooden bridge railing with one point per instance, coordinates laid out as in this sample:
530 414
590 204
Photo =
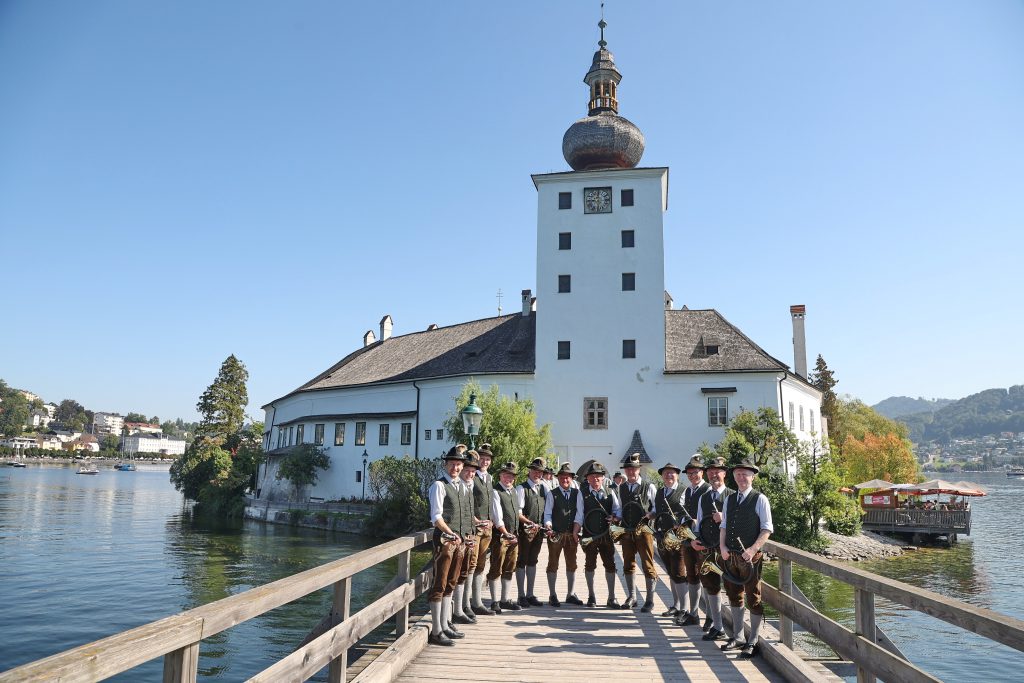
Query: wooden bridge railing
861 646
177 638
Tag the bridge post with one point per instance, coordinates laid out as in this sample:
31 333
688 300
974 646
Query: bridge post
786 586
182 665
339 610
402 617
864 604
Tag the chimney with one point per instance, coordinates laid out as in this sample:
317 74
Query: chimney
527 301
799 342
385 327
368 338
431 326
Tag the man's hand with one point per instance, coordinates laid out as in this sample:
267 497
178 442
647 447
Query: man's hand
697 546
717 516
748 554
725 553
576 528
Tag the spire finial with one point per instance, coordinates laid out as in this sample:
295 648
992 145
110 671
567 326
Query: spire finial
602 25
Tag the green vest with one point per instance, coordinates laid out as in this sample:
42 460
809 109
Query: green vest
741 521
563 512
507 502
671 503
466 509
533 502
483 493
452 507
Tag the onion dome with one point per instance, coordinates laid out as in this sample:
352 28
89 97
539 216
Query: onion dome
603 139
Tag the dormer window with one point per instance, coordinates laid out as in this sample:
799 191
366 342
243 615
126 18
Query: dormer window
711 349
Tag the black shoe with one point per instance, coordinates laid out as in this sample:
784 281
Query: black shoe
572 599
648 606
439 639
748 651
706 626
496 607
592 601
613 604
469 613
453 634
554 602
463 619
670 612
630 603
510 606
731 644
533 601
482 610
713 634
688 619
523 602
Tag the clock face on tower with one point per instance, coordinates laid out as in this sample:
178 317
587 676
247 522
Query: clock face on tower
597 200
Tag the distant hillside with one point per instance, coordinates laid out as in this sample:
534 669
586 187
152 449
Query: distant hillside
899 406
988 412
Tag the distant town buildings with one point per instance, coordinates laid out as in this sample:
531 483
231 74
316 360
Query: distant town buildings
141 442
107 423
142 428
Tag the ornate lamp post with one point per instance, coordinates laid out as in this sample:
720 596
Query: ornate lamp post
472 416
366 456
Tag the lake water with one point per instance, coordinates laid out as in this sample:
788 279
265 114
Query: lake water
84 557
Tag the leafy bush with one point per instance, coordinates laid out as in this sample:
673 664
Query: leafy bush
844 520
400 487
301 463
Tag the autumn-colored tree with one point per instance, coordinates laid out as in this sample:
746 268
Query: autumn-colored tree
887 456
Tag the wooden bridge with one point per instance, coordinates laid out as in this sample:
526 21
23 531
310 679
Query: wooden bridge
538 644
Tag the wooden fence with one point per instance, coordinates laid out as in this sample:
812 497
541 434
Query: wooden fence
177 638
862 646
918 521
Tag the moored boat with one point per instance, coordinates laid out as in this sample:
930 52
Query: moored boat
1015 472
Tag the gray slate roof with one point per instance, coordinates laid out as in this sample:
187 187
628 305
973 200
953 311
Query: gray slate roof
636 446
687 332
504 344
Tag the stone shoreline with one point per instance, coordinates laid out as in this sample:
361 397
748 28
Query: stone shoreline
864 546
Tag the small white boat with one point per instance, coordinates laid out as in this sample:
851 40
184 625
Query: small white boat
1015 472
88 469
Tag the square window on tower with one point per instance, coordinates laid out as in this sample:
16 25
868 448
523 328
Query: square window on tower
565 200
628 282
564 240
627 239
629 348
564 284
626 198
563 350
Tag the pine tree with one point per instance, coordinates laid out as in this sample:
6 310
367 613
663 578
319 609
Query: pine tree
222 405
823 380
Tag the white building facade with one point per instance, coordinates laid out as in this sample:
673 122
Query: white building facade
611 367
134 444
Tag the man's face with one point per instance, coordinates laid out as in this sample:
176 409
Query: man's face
467 473
695 476
507 478
716 476
670 477
454 467
565 480
596 481
632 474
485 462
744 478
535 475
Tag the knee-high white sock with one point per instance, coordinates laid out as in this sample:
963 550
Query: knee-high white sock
521 582
478 590
679 591
694 591
551 585
590 581
737 622
609 578
755 627
715 608
531 580
649 585
506 588
446 611
467 595
457 601
492 585
570 581
629 585
435 617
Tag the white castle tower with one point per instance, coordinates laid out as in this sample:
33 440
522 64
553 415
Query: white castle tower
600 344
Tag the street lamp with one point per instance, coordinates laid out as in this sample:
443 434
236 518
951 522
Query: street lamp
472 416
363 478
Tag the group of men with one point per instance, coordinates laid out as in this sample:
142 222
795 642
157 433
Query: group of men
477 519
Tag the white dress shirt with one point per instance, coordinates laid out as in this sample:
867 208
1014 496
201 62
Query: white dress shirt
436 495
762 507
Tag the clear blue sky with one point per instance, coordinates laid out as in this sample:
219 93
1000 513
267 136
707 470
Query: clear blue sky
182 181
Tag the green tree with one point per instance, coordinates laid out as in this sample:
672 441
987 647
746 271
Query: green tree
222 405
299 466
110 442
135 417
399 488
14 410
823 380
510 426
817 483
